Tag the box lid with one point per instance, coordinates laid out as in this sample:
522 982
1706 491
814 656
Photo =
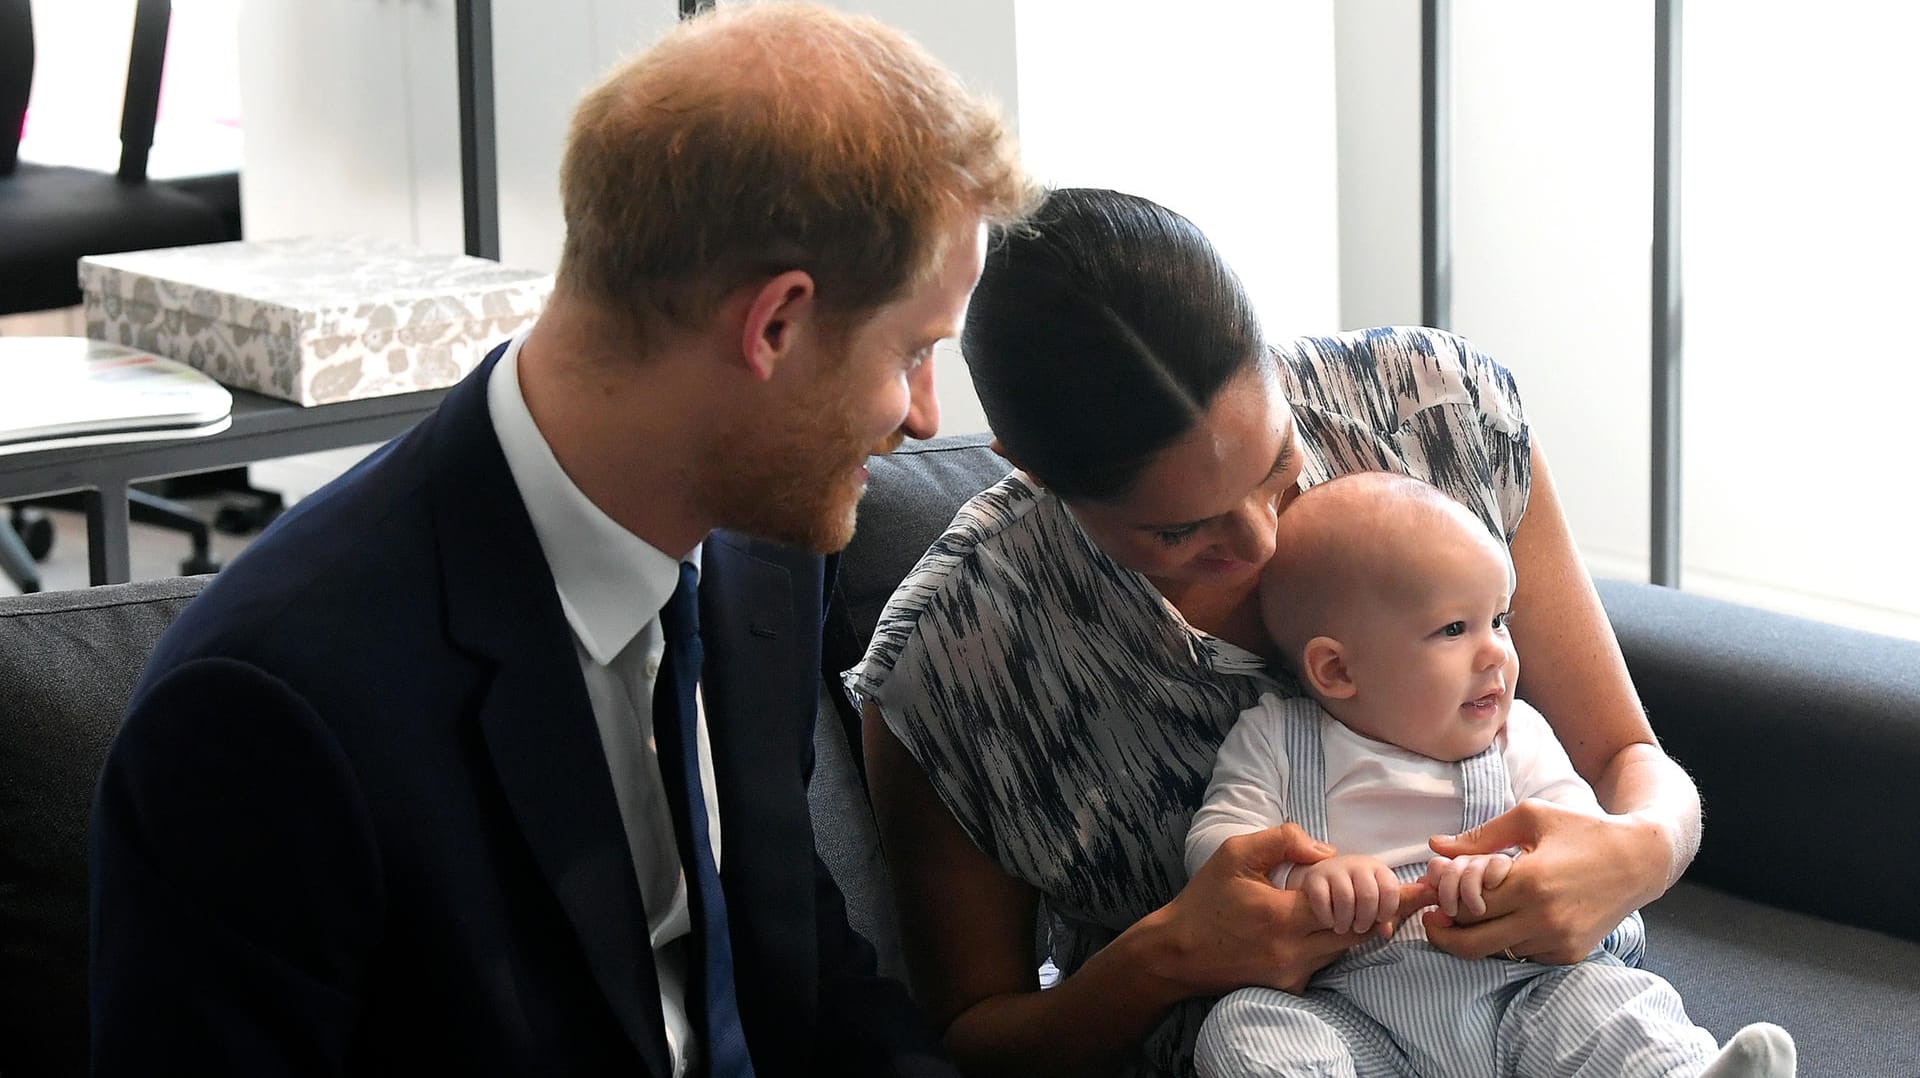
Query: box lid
318 286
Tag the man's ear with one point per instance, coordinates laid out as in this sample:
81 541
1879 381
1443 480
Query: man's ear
779 313
1324 666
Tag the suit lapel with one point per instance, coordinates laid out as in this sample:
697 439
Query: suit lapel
759 616
536 719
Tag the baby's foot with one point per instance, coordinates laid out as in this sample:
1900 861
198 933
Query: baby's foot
1761 1050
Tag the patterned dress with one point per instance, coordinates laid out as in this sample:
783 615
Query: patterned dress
1065 712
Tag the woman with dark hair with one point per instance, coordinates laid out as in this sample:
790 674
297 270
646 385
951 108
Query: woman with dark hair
1046 693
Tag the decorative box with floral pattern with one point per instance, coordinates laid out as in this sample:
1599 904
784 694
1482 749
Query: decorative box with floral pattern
312 320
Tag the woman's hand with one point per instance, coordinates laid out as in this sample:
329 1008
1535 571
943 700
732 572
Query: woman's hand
1581 874
1230 927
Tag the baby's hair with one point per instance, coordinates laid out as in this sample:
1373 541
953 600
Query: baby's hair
1334 550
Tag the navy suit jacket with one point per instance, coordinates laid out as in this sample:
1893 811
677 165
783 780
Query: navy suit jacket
358 819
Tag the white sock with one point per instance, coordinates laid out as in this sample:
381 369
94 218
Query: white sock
1761 1050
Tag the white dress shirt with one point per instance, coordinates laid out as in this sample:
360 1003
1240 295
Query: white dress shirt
612 587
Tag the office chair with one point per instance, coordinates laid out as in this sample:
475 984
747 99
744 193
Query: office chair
53 215
25 538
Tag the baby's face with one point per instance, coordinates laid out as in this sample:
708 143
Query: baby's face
1433 667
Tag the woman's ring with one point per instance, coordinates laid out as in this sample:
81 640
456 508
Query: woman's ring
1510 956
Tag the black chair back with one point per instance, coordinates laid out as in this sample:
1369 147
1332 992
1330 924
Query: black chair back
151 21
54 215
16 77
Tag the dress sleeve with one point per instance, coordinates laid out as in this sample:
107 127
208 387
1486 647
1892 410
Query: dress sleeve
1419 401
939 664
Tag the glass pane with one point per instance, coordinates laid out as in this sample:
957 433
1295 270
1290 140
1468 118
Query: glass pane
1552 217
1801 225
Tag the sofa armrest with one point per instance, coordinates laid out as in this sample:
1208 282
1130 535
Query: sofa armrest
1805 741
68 661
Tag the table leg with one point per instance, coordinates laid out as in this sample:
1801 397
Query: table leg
108 556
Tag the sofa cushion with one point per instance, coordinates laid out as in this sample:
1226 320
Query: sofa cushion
1846 994
912 495
1804 739
68 661
849 841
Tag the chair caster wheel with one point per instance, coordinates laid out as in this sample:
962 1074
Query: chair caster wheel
198 566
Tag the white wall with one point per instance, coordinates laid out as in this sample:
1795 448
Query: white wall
352 123
1224 113
545 56
352 114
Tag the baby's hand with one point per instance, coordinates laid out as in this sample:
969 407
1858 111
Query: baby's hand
1348 892
1461 882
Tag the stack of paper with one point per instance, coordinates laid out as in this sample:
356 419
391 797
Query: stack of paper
59 391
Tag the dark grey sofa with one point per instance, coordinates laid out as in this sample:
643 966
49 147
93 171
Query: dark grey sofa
1805 740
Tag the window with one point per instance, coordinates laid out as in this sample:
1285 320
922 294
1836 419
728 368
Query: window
1798 232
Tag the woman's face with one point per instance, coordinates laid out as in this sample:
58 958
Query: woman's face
1203 511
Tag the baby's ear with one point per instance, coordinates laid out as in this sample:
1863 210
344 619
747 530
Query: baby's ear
1324 665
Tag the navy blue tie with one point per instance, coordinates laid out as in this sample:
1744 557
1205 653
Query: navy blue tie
710 999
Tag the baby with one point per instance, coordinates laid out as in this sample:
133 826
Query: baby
1388 601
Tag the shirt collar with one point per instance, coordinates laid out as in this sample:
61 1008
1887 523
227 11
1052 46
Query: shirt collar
611 582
